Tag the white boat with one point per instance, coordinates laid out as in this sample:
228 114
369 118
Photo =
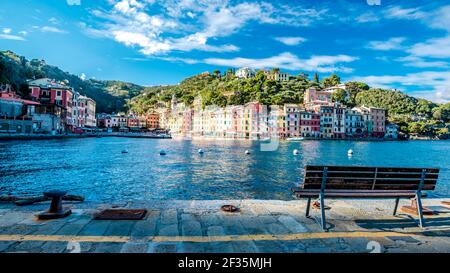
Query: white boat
295 139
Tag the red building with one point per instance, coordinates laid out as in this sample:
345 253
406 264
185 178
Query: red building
152 120
50 93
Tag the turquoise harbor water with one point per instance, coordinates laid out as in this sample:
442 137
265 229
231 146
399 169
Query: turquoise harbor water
96 168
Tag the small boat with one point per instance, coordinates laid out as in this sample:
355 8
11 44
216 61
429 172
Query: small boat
295 139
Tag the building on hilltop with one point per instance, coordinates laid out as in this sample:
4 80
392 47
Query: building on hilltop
245 73
276 75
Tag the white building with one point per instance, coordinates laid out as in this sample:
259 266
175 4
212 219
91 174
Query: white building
391 131
245 72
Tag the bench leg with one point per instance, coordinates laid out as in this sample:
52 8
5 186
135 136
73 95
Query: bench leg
323 222
419 209
396 206
308 206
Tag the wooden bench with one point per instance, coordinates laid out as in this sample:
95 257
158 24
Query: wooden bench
365 182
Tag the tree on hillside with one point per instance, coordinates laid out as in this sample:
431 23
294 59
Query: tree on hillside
442 112
425 107
331 81
339 96
353 88
394 102
316 78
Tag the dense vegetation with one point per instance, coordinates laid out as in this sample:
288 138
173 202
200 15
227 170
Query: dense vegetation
110 95
415 116
216 89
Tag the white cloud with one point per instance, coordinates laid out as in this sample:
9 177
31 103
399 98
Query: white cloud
83 76
148 45
288 61
11 37
292 41
186 25
51 29
397 12
415 61
53 20
23 33
368 17
6 30
73 2
431 84
436 48
440 19
390 44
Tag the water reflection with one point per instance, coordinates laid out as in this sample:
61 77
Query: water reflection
97 169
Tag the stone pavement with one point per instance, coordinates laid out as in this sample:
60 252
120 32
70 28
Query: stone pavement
200 226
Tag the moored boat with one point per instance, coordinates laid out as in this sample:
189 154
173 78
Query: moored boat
295 139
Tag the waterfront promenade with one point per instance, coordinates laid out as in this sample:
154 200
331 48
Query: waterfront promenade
200 226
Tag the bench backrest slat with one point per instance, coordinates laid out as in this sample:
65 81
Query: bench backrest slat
370 178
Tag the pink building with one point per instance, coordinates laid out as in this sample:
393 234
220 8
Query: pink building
339 122
49 92
292 119
309 124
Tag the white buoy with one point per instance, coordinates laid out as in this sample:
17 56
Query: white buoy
350 152
295 152
200 151
247 152
162 152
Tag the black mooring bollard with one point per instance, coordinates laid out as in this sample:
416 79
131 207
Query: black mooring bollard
56 209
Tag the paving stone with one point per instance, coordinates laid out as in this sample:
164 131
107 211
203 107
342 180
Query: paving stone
131 247
291 224
191 228
252 222
277 229
31 246
120 228
215 231
266 219
107 247
4 245
188 217
245 247
359 245
54 247
294 246
162 247
192 247
319 250
233 226
95 228
14 217
220 247
169 230
211 219
144 228
73 228
18 229
169 217
270 246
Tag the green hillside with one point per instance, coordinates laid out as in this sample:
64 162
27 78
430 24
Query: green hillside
110 96
417 116
223 88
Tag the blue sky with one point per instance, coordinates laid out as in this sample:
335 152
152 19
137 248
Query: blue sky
386 43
